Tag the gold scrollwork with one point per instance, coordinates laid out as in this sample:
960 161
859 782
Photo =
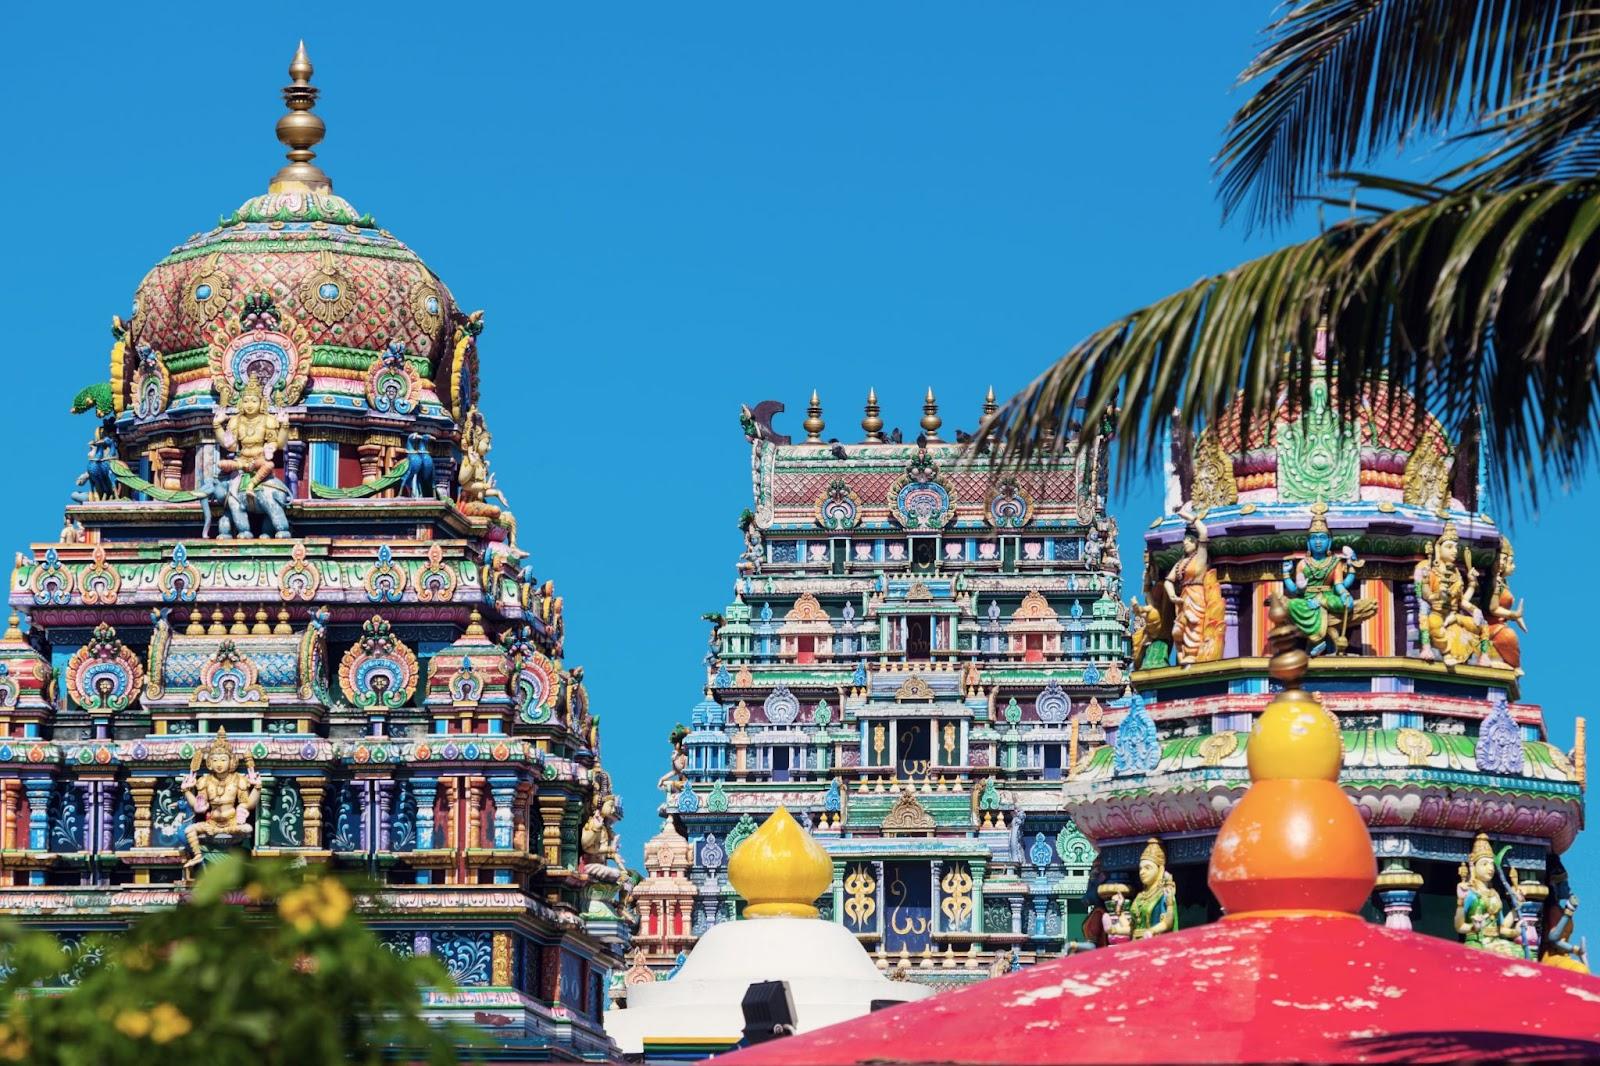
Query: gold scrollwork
428 306
860 885
207 291
326 292
908 926
957 902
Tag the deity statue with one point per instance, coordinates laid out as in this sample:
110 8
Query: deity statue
1118 921
750 561
1451 624
1316 588
1113 555
1154 909
598 839
1481 918
1198 623
253 436
474 481
97 480
1559 910
222 798
1152 633
672 781
1505 612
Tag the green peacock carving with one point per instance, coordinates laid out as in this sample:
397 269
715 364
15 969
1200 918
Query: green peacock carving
96 396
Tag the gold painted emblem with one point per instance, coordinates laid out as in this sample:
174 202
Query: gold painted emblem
327 293
957 902
428 306
208 291
860 885
1218 746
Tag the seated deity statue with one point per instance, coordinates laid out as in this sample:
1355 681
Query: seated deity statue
1154 909
1450 624
1482 918
1316 588
222 798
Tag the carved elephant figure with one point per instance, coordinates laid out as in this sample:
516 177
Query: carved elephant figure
269 499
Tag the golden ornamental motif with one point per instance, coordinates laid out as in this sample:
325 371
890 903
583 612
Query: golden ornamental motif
1414 745
1213 485
806 609
908 816
741 714
1034 607
860 886
918 592
428 306
327 293
915 688
957 902
207 293
299 579
1427 476
1218 746
99 583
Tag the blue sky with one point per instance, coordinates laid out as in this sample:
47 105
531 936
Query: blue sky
667 210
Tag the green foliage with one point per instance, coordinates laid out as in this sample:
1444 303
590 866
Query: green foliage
263 964
1478 291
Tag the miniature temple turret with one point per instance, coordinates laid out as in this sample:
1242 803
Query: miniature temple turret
1359 532
286 613
914 639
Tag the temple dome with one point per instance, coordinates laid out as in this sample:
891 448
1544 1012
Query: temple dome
338 294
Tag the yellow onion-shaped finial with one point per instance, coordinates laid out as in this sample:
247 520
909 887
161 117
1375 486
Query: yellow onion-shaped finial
780 870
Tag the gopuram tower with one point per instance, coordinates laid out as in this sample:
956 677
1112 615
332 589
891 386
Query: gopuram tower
917 645
287 554
1359 534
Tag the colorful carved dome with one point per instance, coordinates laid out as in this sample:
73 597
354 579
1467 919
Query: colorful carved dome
1301 452
298 289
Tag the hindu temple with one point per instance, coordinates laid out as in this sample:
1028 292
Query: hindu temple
917 644
1364 524
286 611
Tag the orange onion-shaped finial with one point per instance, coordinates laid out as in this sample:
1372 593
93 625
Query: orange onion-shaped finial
1294 844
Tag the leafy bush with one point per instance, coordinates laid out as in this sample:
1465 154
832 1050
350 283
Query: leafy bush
265 963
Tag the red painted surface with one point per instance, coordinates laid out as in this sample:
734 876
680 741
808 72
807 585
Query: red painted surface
1256 989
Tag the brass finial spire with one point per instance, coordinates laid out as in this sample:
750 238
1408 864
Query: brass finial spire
814 425
872 424
300 130
930 416
989 406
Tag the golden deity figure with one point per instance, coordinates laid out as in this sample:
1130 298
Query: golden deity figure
1199 622
1452 627
252 436
598 839
1505 612
1482 918
1154 909
475 482
222 798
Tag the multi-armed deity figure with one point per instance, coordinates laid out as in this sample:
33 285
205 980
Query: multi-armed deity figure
1317 586
1505 611
1452 627
1482 918
1154 909
243 480
474 481
222 798
1198 622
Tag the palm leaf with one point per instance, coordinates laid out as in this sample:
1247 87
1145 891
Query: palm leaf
1341 80
1474 300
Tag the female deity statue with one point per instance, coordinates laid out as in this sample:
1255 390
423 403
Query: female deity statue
1482 919
222 798
1198 622
672 781
598 839
252 436
1155 905
474 481
1505 612
1559 910
1317 587
1451 625
1152 633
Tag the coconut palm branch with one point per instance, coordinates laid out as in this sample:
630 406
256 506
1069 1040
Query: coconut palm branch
1480 290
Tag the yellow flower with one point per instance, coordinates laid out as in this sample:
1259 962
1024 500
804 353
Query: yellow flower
14 1050
168 1023
138 958
255 892
335 902
133 1023
324 902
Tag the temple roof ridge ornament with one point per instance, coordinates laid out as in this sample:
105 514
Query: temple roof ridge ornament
915 688
300 130
907 816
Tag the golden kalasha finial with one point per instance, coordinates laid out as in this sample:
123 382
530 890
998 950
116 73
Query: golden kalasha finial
814 425
872 425
930 416
300 130
989 406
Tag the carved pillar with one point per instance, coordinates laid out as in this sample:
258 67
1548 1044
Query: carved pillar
504 792
370 454
311 791
501 976
877 874
838 891
935 869
1016 914
444 475
385 807
294 466
10 794
1233 597
1397 891
144 792
447 792
39 789
169 460
265 807
425 789
980 870
364 839
551 808
474 797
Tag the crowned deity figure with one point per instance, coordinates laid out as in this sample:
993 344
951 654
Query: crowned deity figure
598 839
1316 588
1482 918
1505 612
1450 623
222 798
1559 912
252 436
1198 622
474 481
1154 909
672 781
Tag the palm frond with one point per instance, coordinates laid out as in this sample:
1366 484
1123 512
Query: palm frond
1344 79
1475 301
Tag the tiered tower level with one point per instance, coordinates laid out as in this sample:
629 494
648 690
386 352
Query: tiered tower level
1368 521
915 640
287 531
